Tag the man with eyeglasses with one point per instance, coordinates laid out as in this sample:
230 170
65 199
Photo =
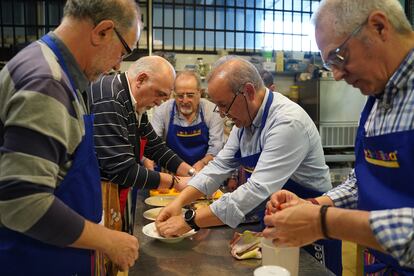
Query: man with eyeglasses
275 142
188 124
369 44
50 197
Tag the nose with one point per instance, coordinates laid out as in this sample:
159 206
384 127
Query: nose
338 74
185 99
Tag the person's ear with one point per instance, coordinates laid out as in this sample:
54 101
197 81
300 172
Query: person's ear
380 23
102 32
141 78
249 91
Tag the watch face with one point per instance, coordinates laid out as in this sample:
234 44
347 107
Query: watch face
188 214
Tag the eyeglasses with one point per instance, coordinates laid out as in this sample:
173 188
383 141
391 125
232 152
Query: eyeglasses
189 95
226 113
123 42
337 60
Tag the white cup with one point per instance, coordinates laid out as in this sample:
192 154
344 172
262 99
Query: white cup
271 270
286 257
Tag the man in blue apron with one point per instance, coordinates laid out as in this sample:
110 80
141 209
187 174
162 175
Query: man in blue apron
188 124
361 48
274 140
50 196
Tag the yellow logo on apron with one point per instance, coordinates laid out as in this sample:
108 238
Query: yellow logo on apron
383 159
189 134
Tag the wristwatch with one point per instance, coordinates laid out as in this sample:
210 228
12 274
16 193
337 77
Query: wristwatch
191 172
189 217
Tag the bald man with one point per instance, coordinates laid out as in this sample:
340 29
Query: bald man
275 142
123 133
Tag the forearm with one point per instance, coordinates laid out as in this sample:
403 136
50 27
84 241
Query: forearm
188 195
351 225
93 236
183 169
206 218
324 200
207 158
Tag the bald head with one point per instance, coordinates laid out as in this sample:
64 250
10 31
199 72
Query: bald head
152 65
236 72
152 80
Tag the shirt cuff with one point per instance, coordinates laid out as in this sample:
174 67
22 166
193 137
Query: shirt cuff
226 210
204 184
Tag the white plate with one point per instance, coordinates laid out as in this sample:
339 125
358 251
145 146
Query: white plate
150 231
152 214
159 201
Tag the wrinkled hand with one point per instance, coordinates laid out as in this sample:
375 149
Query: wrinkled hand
123 250
149 164
281 200
172 209
295 226
181 184
175 226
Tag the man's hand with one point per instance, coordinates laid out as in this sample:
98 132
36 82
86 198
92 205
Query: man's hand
175 226
295 226
149 164
283 199
172 209
123 249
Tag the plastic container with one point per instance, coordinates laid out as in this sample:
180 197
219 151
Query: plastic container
286 257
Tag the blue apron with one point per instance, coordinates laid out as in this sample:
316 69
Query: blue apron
327 252
81 191
383 166
190 143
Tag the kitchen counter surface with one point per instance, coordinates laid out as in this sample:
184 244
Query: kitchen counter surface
205 253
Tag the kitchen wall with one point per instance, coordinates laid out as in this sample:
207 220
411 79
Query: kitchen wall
283 81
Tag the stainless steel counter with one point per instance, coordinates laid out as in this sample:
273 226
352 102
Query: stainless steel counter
206 253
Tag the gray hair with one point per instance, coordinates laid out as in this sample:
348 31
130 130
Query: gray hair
238 75
150 64
190 73
124 13
347 15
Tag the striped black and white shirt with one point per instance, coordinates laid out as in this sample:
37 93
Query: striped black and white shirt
117 135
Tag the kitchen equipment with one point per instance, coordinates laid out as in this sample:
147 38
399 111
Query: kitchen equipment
286 257
335 107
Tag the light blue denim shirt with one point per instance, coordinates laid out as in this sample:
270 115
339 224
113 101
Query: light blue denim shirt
292 149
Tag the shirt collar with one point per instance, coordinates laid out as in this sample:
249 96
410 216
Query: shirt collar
133 101
257 121
398 79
